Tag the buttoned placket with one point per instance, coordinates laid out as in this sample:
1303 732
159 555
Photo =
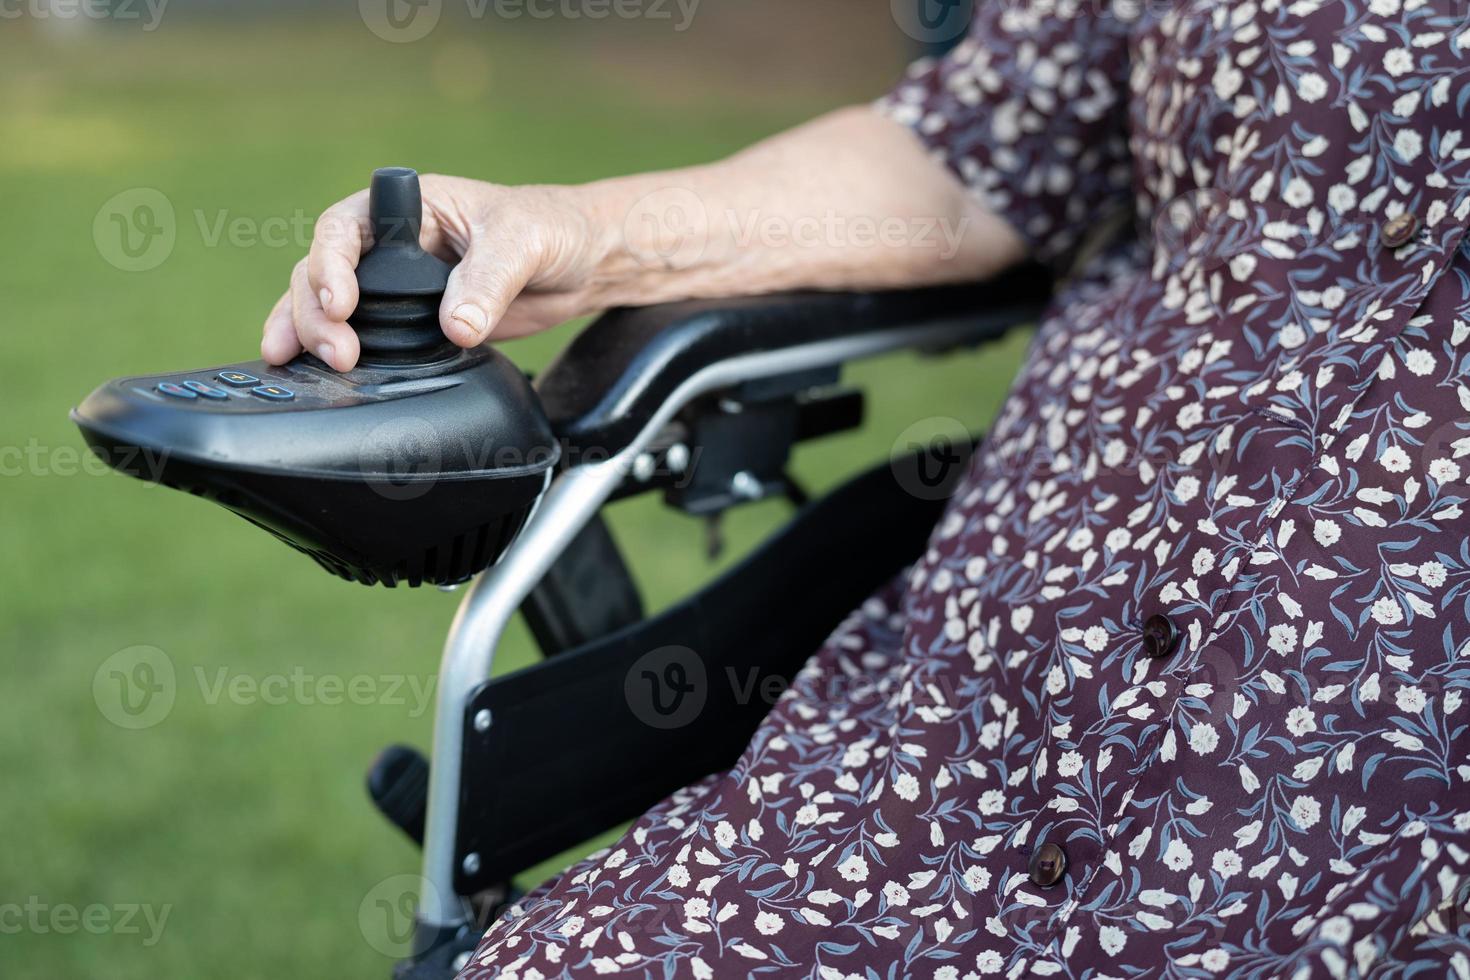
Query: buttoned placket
1168 679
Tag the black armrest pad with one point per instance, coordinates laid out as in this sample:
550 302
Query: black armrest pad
602 390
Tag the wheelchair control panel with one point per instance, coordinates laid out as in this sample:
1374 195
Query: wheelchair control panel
417 467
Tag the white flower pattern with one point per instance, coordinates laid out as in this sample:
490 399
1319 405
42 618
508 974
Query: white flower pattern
1252 421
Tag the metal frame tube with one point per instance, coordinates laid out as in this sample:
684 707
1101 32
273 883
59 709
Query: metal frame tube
469 655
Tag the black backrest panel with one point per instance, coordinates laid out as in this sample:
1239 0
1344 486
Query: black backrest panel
584 741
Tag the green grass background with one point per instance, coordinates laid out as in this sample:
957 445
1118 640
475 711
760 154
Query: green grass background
248 820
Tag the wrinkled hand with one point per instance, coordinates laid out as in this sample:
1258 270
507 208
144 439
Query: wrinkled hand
526 260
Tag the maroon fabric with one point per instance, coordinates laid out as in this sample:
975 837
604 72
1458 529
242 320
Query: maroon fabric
1245 422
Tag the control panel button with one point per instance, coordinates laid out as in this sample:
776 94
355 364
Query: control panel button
273 393
238 379
176 391
204 390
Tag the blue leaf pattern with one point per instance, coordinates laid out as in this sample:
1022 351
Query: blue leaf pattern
1251 415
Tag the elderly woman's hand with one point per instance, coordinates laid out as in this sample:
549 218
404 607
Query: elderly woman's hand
848 201
525 254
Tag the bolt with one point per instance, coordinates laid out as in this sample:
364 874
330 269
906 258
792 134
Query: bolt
471 863
643 467
482 720
461 961
746 486
678 457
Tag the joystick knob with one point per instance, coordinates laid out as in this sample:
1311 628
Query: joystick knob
400 285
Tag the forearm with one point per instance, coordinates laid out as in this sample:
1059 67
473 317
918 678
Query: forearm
850 200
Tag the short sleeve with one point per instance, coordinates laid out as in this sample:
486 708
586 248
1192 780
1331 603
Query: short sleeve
1030 110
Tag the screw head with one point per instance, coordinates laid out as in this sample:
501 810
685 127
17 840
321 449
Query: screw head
483 718
471 863
746 486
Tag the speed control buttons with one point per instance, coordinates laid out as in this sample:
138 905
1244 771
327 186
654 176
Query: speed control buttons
192 390
176 391
273 393
238 379
206 390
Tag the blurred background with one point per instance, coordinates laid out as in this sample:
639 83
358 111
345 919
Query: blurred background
161 165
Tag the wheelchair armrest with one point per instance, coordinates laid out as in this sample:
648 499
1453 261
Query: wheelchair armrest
629 366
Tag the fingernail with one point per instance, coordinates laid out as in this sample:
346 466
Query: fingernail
326 352
326 297
473 317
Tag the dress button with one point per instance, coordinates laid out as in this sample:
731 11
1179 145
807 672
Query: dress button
1397 232
1159 638
1048 864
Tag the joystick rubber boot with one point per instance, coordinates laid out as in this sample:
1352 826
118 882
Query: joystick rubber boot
400 285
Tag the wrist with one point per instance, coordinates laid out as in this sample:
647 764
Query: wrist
654 237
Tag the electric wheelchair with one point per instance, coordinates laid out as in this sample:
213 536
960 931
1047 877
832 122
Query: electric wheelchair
427 464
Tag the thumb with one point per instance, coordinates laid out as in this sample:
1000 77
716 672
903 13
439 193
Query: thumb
480 290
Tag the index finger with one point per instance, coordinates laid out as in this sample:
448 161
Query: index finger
342 233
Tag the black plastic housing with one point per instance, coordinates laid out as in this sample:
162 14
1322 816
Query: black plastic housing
412 475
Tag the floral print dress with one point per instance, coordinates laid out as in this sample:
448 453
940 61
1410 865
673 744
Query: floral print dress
1180 687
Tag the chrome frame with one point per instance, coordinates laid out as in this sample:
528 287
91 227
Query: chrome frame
569 503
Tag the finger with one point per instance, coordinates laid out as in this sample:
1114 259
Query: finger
482 287
279 343
342 233
331 340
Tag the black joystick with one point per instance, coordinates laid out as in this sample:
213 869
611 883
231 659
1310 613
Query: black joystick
400 285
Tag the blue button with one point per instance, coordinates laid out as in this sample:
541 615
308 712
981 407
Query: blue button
206 390
238 379
176 391
273 393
